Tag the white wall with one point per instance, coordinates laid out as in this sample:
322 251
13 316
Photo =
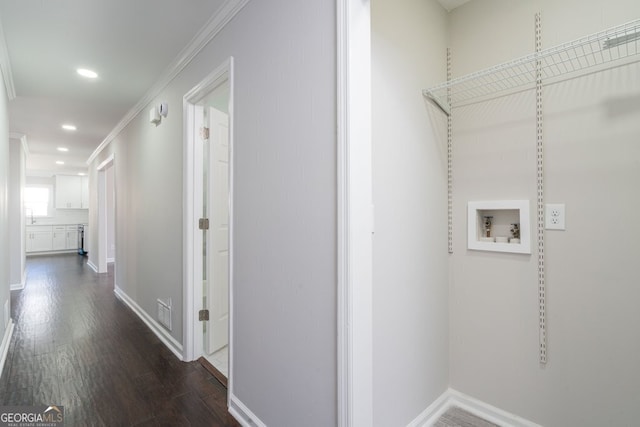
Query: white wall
4 208
16 212
410 283
591 164
284 206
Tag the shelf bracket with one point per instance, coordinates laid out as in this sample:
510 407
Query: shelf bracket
440 103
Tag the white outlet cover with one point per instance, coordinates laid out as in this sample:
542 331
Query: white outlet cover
554 216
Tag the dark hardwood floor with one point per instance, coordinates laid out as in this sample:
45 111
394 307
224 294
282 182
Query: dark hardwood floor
76 345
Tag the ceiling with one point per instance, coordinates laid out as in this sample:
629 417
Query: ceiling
128 43
449 5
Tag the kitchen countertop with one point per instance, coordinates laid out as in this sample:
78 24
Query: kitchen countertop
56 224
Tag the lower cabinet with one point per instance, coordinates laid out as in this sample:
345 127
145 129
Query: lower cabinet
72 237
44 238
59 238
39 239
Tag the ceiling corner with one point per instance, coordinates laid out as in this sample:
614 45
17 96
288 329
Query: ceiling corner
449 5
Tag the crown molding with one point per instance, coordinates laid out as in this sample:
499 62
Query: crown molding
23 140
215 24
5 66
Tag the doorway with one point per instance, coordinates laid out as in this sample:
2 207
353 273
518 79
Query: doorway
106 214
208 230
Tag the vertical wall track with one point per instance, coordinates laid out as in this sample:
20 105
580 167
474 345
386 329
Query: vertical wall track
542 309
449 158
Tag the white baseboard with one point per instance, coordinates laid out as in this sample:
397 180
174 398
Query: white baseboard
164 336
242 414
488 412
451 398
4 347
429 416
19 286
92 266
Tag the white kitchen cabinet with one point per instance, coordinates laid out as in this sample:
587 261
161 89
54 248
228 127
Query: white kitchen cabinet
72 237
72 192
39 239
59 237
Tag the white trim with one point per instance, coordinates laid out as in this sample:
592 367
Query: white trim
6 341
164 336
215 24
23 140
92 266
355 244
429 416
487 412
106 163
453 398
232 345
242 414
20 286
5 67
192 206
102 247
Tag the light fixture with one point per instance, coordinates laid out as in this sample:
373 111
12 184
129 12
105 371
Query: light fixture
87 73
59 162
63 149
623 39
81 173
69 127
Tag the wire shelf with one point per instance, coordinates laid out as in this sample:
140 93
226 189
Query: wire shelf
604 47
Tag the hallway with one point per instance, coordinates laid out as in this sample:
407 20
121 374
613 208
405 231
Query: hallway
76 345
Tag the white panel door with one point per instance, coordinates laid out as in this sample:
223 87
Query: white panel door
219 231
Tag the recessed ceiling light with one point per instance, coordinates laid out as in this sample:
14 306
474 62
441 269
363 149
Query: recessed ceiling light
81 173
87 73
69 127
59 162
63 149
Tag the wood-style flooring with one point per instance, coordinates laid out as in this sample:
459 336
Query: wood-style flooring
76 345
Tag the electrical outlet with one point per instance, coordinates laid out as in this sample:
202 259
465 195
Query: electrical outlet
554 216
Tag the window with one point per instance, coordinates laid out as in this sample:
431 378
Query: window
37 201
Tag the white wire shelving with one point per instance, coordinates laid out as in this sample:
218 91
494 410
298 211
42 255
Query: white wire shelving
608 46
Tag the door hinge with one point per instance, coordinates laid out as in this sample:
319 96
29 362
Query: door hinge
203 315
204 133
203 223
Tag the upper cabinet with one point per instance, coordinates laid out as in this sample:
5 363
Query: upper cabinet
72 192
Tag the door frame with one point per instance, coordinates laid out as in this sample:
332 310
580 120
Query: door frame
192 202
102 211
355 214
